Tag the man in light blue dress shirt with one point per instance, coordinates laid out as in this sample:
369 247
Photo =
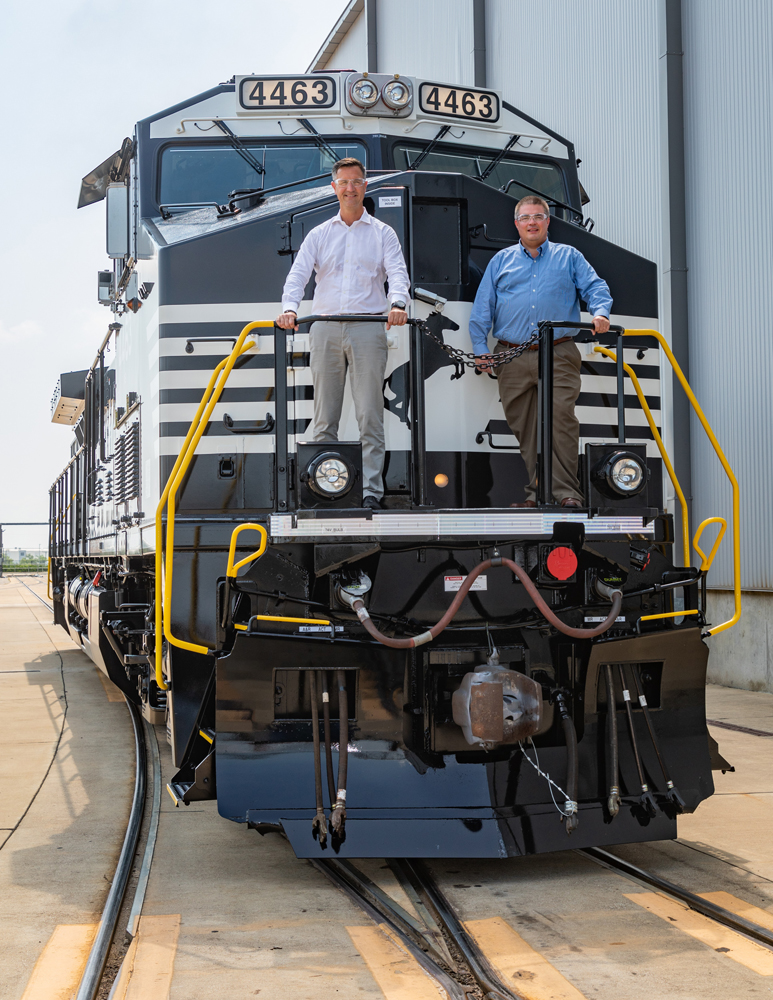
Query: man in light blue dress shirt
533 281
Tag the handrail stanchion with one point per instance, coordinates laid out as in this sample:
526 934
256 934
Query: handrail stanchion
620 391
545 408
280 417
418 417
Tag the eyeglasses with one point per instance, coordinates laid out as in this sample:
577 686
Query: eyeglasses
358 182
539 217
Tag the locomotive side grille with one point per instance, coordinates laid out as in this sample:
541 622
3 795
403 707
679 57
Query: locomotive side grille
126 465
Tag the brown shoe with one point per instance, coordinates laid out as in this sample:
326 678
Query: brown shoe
571 502
526 503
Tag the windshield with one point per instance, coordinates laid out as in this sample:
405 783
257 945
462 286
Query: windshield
543 177
211 172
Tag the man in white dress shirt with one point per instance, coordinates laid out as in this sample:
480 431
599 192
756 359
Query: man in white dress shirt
352 254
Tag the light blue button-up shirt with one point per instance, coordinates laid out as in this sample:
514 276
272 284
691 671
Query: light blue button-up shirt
518 291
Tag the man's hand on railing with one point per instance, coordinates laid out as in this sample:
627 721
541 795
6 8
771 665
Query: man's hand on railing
600 324
287 320
397 317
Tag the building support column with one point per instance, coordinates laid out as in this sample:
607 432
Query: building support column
674 311
371 36
479 42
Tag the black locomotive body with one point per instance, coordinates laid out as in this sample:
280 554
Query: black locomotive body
447 742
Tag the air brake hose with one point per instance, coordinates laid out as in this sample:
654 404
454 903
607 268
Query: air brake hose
615 596
572 762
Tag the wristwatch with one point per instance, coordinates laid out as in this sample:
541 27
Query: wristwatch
398 304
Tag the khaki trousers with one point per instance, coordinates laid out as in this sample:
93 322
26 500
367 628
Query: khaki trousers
518 392
362 349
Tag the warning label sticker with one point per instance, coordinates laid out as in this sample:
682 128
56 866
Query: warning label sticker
319 628
391 201
455 582
603 618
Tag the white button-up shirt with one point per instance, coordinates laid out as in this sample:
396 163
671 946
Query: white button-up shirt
352 263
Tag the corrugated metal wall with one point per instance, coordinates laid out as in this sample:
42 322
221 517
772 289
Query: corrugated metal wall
426 39
589 71
350 54
729 150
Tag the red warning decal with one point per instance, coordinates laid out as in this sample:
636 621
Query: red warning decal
562 563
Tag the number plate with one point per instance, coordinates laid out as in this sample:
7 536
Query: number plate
458 102
274 93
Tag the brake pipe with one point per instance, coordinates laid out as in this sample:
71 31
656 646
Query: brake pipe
672 792
613 764
646 798
358 606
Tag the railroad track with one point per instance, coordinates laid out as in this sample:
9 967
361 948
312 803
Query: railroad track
94 971
437 940
440 943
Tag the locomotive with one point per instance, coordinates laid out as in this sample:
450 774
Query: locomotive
448 676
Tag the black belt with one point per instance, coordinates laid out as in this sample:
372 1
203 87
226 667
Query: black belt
534 347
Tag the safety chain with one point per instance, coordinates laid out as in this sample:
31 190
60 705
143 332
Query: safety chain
464 359
570 806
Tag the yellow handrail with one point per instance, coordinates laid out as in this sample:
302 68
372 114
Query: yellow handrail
231 570
706 561
725 465
163 588
668 614
661 448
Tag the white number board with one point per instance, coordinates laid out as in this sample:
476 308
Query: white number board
459 102
275 93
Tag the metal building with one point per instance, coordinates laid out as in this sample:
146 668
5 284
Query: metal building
667 103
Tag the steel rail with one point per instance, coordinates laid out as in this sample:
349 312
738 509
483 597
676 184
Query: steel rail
382 910
95 964
718 913
42 600
420 941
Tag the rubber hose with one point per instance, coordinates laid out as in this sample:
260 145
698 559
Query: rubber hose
572 760
531 589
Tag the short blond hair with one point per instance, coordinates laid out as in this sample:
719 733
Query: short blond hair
531 199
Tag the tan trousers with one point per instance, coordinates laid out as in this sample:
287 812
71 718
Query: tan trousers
518 392
362 349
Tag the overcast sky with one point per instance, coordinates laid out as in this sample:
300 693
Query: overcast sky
75 79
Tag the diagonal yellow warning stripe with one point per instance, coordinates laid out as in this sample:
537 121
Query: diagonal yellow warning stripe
149 964
518 964
720 939
60 966
393 967
741 908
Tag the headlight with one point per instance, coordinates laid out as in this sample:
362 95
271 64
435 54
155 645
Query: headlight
627 475
396 95
364 93
329 476
622 473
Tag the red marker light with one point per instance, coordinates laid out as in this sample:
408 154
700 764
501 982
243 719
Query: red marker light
562 563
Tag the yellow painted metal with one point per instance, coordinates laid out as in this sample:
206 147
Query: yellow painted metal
241 628
725 465
298 621
668 614
232 570
163 595
707 560
661 448
206 736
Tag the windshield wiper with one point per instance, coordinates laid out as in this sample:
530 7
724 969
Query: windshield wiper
498 158
428 149
319 142
237 144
